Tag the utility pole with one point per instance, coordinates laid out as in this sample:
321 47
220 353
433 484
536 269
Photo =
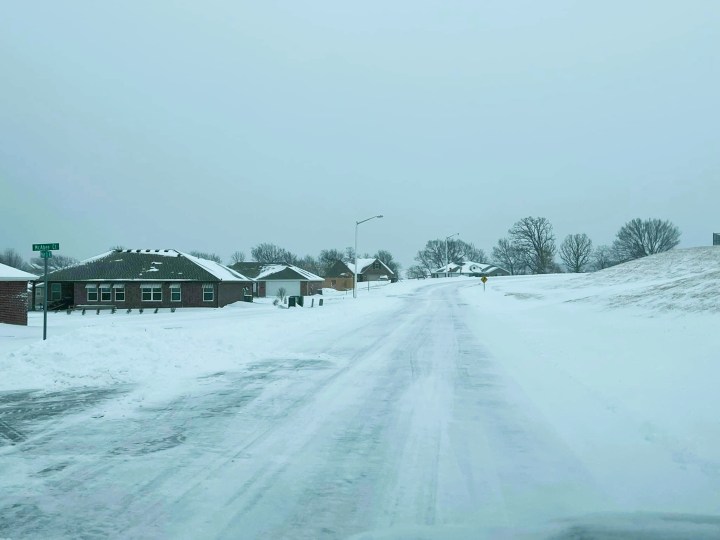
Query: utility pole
357 223
447 259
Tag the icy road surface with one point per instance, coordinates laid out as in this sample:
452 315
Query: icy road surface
406 421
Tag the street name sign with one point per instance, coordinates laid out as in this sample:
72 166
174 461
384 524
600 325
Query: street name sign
46 247
46 253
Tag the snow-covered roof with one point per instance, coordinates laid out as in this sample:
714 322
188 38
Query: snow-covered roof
271 269
144 264
8 273
277 271
365 262
220 271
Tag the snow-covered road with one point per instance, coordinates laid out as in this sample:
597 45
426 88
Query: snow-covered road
407 421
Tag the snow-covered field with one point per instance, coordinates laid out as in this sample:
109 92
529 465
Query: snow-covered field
423 409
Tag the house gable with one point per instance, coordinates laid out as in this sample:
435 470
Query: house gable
279 271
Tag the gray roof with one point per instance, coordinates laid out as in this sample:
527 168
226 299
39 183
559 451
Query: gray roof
274 271
146 265
342 269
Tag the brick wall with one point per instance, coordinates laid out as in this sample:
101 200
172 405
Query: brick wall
234 292
13 302
340 283
191 295
308 288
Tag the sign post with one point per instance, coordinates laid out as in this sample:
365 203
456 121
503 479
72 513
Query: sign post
484 280
45 253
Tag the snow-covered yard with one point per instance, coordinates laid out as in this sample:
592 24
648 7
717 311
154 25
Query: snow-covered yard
423 409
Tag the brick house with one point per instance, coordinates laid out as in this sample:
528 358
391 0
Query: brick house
340 275
14 295
147 278
271 277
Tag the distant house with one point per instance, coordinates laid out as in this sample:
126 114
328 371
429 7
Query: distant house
271 277
147 278
340 275
716 239
469 269
14 295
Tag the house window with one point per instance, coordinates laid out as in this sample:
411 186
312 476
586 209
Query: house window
92 293
151 292
55 291
119 293
376 265
105 293
175 293
332 282
208 292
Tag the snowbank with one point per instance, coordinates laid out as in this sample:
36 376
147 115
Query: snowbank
642 339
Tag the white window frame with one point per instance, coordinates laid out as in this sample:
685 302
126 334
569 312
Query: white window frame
175 288
91 288
119 290
105 289
53 298
208 288
155 292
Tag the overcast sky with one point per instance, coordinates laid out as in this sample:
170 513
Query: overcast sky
215 126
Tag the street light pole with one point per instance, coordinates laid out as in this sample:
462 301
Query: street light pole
357 223
447 260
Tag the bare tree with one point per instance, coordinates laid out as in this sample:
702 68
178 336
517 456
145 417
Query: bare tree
209 256
386 257
11 257
434 255
640 238
328 257
270 253
417 271
56 262
603 257
509 256
575 252
310 263
237 257
536 240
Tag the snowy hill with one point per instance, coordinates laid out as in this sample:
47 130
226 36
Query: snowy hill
681 280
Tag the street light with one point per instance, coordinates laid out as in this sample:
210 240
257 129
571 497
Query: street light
356 253
447 260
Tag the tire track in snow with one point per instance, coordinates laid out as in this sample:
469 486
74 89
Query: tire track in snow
251 490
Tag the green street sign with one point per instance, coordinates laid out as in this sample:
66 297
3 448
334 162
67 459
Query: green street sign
46 254
45 247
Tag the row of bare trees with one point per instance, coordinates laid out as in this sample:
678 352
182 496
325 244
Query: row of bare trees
320 264
530 246
11 257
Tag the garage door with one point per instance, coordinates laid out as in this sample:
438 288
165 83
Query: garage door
292 288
